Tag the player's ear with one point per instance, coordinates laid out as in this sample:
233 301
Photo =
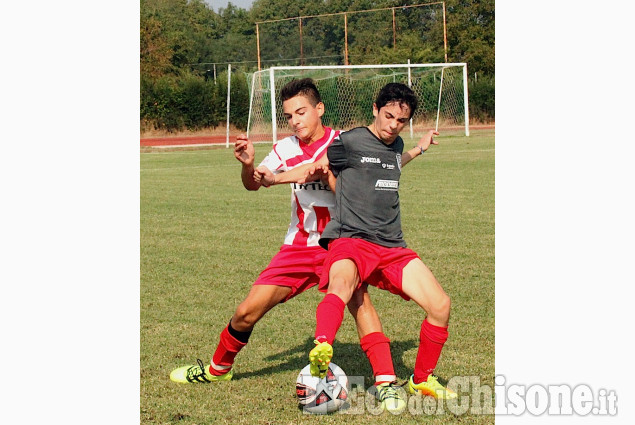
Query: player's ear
320 109
375 110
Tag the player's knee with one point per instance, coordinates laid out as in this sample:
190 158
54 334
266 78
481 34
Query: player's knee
440 309
337 282
245 317
342 287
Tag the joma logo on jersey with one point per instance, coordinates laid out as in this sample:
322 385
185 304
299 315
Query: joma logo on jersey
387 185
370 159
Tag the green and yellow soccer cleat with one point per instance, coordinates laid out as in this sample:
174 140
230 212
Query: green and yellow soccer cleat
320 358
198 373
392 397
430 387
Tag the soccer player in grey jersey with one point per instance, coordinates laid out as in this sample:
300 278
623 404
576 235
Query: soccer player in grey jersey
364 238
366 192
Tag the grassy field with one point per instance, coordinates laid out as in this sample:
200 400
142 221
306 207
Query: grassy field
204 240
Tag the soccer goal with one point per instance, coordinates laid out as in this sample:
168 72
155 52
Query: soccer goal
348 92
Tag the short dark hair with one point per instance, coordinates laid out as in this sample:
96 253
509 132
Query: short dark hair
305 87
399 93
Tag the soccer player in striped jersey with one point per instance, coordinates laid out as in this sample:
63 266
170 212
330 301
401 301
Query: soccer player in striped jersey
298 264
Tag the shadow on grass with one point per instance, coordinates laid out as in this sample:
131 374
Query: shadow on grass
349 356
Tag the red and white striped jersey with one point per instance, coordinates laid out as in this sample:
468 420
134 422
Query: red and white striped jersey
312 203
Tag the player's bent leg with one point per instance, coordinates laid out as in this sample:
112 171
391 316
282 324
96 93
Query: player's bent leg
259 301
234 337
419 283
361 308
343 279
375 345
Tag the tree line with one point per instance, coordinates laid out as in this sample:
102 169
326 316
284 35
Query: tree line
186 46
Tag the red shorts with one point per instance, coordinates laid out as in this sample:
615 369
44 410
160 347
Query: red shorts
297 267
377 265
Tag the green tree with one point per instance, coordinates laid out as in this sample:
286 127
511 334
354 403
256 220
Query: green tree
471 34
234 39
156 54
181 39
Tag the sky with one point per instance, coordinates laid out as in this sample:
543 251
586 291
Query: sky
217 4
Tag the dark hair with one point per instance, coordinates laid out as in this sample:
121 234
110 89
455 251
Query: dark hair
399 93
305 87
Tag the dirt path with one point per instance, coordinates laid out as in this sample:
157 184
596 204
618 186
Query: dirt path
185 141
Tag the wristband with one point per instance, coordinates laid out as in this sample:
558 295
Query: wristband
421 149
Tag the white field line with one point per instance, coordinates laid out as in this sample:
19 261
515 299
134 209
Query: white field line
196 145
453 152
233 165
187 168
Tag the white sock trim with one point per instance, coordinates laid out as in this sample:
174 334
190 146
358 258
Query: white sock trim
218 367
385 378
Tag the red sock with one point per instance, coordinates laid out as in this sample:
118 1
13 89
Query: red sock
377 348
431 340
329 316
223 358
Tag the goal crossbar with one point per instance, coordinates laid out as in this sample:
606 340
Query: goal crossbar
397 65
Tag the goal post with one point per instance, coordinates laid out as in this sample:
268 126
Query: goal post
348 93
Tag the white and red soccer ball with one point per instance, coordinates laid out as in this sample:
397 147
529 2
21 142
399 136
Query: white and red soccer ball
322 395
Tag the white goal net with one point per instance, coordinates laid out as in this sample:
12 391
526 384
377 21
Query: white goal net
348 93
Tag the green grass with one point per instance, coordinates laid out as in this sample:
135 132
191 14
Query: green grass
204 240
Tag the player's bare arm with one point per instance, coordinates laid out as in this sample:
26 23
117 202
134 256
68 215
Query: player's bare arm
264 176
422 146
317 171
302 174
245 153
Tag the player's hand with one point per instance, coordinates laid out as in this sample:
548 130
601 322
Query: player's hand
326 176
428 139
264 176
314 173
244 150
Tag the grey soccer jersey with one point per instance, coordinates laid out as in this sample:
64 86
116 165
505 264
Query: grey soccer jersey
367 198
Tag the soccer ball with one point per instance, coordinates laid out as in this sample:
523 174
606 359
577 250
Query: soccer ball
322 395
